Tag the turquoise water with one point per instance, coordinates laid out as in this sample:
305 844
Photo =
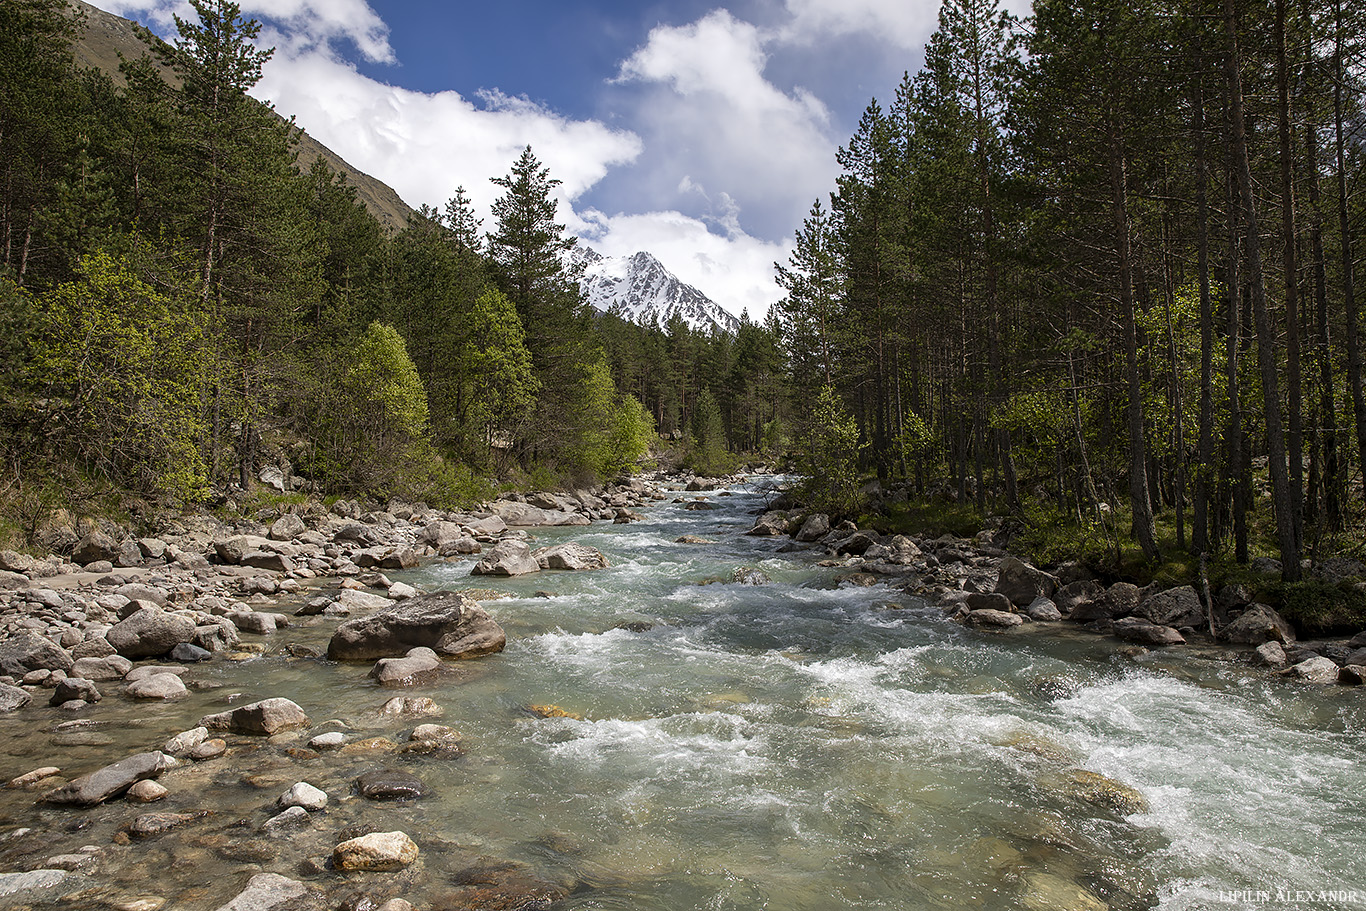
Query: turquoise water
795 745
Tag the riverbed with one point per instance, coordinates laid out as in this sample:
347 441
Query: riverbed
657 736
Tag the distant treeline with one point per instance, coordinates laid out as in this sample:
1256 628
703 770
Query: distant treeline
1105 256
179 303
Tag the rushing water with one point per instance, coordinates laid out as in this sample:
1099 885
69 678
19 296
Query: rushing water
794 745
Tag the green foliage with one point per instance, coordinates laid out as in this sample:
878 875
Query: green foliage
707 453
122 368
1320 609
373 420
829 457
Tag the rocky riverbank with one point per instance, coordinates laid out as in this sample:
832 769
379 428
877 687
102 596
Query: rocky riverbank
117 619
980 584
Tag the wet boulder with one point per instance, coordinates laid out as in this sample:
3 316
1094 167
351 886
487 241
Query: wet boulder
770 524
448 623
508 558
110 781
1258 624
1316 670
814 528
378 851
1145 632
1042 609
418 667
269 716
995 619
1175 607
1119 600
388 784
268 892
12 698
1023 583
571 556
74 689
1078 593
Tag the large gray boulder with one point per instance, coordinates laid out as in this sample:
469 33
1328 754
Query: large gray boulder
448 623
1258 624
28 651
12 698
770 525
287 528
269 716
814 528
1175 607
571 557
1075 594
509 558
94 548
1022 583
149 633
1119 600
111 781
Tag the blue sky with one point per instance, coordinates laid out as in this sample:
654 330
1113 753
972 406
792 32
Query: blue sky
699 132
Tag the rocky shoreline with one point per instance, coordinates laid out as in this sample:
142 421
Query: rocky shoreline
978 583
125 618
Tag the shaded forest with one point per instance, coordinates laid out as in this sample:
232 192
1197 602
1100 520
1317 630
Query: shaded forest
183 305
1096 270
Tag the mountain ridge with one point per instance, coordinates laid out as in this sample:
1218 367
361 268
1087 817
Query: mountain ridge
104 37
640 288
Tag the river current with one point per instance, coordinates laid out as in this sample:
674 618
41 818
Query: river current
802 745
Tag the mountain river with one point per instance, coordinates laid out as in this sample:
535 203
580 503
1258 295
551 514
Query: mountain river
799 745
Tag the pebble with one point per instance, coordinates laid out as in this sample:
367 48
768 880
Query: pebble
147 791
304 795
209 749
333 740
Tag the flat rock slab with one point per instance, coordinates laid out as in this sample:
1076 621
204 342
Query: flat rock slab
386 784
995 619
267 892
111 781
39 885
269 716
524 515
448 623
1136 629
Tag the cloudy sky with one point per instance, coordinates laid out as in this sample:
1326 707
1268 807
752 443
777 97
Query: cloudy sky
698 132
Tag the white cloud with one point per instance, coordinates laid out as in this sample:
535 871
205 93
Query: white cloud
425 145
292 26
734 271
905 23
710 119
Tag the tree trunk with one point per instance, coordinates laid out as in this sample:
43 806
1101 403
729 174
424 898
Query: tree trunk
1144 530
1200 536
1266 336
1348 284
1293 380
1330 475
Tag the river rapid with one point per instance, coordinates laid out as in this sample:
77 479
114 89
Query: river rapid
795 745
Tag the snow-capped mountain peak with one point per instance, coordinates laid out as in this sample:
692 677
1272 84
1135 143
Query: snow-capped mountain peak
641 289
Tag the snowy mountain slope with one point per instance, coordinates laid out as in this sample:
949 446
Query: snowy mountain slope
640 289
